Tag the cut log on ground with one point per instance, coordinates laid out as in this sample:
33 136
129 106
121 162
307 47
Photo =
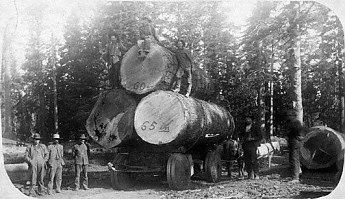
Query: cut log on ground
13 154
168 118
321 147
111 120
17 172
157 72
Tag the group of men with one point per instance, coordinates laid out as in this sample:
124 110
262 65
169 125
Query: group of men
250 137
145 36
41 158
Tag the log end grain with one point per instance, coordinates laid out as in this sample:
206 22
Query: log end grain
159 118
320 147
165 117
142 75
111 120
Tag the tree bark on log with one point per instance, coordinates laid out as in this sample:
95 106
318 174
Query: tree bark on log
157 72
321 147
168 118
111 120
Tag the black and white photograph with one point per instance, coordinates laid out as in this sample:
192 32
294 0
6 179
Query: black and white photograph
176 99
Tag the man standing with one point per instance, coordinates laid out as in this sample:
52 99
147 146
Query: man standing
36 156
55 163
251 138
114 49
81 161
185 62
294 134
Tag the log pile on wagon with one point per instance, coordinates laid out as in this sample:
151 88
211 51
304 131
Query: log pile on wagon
155 129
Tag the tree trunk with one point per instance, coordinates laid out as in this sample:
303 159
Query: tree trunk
295 56
171 119
339 65
7 95
321 147
111 120
56 118
157 72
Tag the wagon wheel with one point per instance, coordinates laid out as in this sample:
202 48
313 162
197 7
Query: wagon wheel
178 171
213 166
120 180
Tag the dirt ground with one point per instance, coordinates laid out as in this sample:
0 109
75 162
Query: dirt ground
273 183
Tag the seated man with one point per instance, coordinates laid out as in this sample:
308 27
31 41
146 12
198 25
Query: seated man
185 63
147 34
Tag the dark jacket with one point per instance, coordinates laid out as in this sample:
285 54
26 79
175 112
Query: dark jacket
295 130
253 135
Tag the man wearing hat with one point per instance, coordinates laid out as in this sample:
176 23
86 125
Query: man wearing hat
295 135
81 160
55 163
251 137
36 155
147 35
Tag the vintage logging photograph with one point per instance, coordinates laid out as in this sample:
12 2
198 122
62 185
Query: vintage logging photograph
171 99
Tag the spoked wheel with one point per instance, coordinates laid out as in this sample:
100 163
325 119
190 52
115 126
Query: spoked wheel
213 166
178 171
120 180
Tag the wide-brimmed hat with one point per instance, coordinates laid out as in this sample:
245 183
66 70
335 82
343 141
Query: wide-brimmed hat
56 136
82 137
36 136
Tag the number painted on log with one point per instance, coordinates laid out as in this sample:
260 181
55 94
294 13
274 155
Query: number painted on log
164 128
138 85
151 127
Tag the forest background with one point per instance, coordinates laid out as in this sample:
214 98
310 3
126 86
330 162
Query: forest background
253 66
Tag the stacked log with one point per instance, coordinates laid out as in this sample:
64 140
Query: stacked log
321 147
111 120
168 118
157 72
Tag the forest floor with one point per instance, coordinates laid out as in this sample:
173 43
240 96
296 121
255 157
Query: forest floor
273 183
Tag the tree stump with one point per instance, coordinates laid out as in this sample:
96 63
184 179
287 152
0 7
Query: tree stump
168 118
321 147
111 120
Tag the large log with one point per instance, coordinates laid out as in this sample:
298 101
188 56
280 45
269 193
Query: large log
171 119
111 120
157 72
321 147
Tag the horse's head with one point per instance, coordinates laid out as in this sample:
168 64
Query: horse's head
232 147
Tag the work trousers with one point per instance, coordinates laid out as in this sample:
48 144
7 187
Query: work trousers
294 148
250 158
37 175
114 75
81 169
55 172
